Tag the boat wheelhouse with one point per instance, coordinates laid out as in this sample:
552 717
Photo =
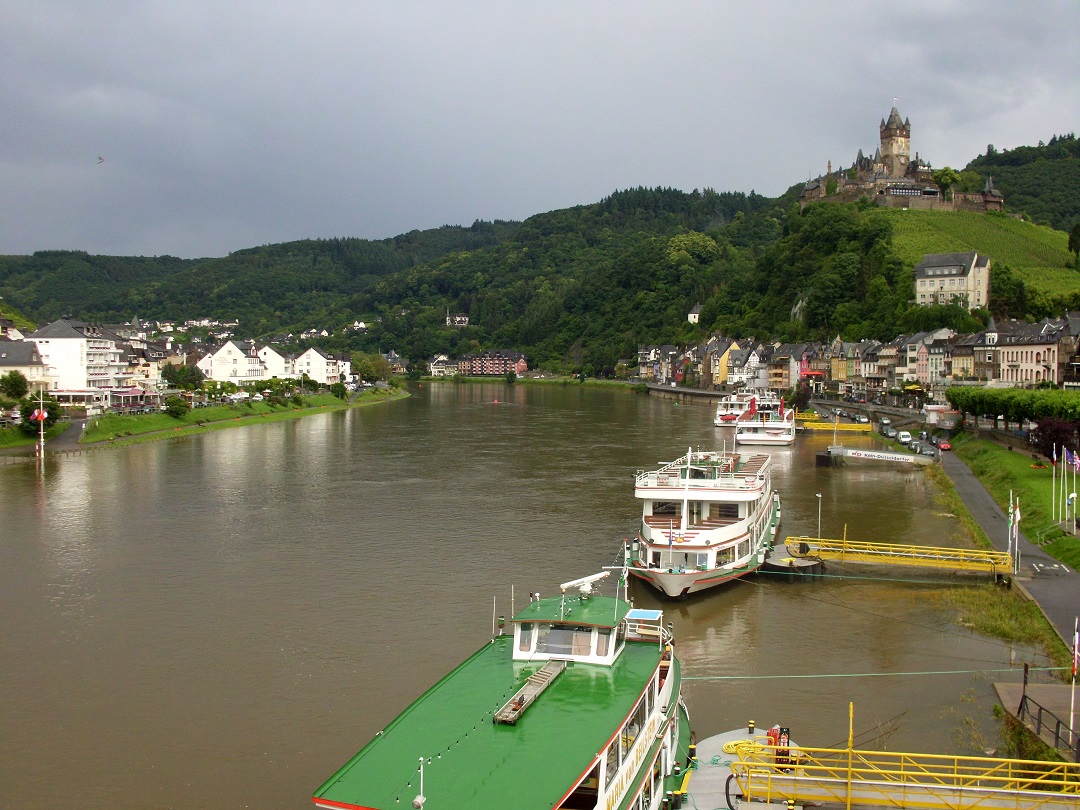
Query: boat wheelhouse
766 422
707 518
578 707
732 406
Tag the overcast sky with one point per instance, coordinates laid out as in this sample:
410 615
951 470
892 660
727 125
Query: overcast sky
198 128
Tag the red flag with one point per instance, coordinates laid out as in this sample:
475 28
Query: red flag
753 406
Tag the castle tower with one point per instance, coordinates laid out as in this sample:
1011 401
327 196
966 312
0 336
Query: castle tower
895 144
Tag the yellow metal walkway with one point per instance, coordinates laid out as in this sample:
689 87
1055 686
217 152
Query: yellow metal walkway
820 425
954 559
851 778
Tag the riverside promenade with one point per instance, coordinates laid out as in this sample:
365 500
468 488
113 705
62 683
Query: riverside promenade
1051 584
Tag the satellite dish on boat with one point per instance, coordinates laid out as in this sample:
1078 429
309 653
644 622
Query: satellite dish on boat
584 584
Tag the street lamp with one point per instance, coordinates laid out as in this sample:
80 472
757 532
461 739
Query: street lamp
819 515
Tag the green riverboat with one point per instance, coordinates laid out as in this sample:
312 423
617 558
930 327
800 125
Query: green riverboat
578 706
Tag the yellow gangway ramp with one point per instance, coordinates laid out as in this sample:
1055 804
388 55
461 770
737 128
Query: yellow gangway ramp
851 551
855 778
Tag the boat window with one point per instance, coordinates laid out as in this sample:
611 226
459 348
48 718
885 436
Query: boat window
724 510
525 643
562 639
634 725
603 637
665 508
725 555
614 759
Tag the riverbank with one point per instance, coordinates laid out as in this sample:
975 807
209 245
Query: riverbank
116 430
1049 584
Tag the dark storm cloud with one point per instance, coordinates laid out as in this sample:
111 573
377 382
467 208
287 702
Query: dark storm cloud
229 125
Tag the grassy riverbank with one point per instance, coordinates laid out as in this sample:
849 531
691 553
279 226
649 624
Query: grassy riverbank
17 437
117 429
1002 470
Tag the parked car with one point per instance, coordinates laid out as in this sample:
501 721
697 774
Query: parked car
886 420
903 437
927 450
890 432
944 444
915 446
862 419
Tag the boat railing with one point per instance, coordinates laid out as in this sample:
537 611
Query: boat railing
735 479
648 630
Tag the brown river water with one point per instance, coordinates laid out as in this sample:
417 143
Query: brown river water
222 621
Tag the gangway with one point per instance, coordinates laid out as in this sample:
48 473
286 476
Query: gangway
998 563
856 778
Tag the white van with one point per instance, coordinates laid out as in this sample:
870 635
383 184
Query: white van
903 437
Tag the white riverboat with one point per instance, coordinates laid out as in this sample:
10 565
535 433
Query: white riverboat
579 706
732 406
767 421
708 518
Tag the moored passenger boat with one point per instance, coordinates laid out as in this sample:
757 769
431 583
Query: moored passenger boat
732 406
578 707
766 422
708 518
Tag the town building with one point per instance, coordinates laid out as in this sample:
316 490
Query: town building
492 363
953 278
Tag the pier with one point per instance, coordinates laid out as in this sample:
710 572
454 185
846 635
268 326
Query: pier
838 450
737 768
978 560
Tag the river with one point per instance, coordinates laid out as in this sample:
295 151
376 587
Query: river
221 621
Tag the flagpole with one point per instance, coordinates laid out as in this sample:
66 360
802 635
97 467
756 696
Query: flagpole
1016 538
1008 544
1072 700
1053 486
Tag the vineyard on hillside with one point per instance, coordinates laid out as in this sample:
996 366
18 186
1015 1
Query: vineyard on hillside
1039 252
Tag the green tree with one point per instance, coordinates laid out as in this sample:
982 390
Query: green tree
177 407
382 367
14 385
1074 242
339 390
29 407
946 177
511 377
364 368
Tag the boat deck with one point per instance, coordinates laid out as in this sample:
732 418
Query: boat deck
471 761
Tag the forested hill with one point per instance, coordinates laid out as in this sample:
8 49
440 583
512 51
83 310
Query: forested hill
268 288
1041 181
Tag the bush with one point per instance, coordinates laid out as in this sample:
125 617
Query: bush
177 407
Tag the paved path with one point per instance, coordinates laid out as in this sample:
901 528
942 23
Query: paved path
1052 585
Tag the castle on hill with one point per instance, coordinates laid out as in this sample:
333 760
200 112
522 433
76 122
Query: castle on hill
893 179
